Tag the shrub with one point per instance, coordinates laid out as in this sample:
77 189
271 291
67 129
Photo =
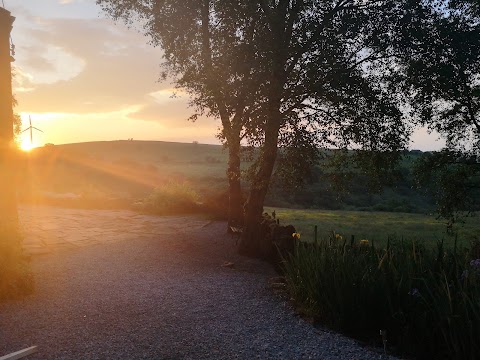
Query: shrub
216 204
428 301
16 279
171 198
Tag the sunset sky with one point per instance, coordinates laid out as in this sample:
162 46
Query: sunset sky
83 78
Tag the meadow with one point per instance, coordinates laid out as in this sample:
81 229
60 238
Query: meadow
378 227
131 169
119 171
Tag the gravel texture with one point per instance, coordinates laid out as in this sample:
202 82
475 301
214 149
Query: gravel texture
167 297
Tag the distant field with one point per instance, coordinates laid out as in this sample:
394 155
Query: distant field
169 158
376 226
122 169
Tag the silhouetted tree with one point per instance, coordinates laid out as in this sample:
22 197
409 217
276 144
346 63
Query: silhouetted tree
7 118
300 74
443 71
323 84
209 51
442 74
451 178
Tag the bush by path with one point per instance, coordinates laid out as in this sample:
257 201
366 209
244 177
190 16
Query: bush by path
171 198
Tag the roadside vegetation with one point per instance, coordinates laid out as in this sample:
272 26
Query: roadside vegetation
171 198
411 299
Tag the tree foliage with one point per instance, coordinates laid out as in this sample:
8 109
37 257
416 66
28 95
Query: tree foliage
323 68
443 72
442 75
452 178
17 121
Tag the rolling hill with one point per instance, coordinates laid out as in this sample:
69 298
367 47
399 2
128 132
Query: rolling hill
116 173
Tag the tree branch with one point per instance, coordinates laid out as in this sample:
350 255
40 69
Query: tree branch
212 82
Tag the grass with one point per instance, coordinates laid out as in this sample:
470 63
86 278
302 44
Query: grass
377 226
426 300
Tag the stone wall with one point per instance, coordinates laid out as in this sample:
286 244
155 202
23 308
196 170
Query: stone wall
277 241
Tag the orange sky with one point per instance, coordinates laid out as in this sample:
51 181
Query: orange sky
83 78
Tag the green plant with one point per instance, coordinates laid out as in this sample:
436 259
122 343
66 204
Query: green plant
427 300
16 279
171 198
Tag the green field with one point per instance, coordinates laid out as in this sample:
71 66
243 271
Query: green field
131 169
122 169
377 226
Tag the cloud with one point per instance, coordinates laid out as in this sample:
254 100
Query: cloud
22 81
96 63
173 114
50 64
96 80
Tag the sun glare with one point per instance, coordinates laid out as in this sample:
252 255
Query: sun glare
26 145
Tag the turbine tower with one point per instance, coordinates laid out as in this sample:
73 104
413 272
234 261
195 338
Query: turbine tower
31 128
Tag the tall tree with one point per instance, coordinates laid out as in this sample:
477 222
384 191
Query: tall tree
324 64
296 73
443 72
15 279
209 51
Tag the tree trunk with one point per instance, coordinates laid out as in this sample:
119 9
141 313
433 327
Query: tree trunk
235 201
250 241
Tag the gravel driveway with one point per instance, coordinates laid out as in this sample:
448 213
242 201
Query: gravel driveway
162 297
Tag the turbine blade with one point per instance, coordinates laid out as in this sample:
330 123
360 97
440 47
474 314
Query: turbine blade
36 129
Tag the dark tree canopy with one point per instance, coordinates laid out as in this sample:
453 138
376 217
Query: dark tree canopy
443 72
442 77
324 52
209 50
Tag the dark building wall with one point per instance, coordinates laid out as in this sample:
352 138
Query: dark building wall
6 110
8 211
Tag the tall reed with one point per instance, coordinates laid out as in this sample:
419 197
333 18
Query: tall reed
426 301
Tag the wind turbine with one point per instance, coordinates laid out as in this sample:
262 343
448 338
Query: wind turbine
31 128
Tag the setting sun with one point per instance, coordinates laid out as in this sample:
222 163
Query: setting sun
26 145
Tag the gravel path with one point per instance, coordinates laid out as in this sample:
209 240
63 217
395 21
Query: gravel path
163 297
